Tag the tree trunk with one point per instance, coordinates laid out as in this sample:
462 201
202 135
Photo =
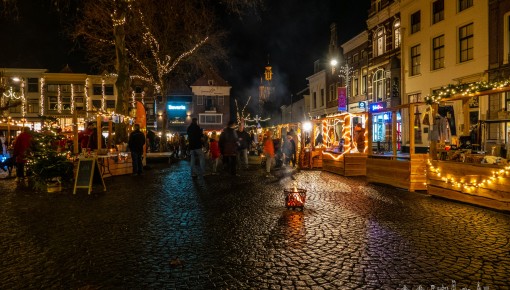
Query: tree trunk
123 79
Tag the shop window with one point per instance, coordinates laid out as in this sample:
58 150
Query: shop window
415 60
438 52
466 42
437 11
465 4
415 22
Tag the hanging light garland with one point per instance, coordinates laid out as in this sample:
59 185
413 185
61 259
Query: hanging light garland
143 97
464 89
133 100
72 98
23 100
59 100
41 99
460 183
103 95
87 97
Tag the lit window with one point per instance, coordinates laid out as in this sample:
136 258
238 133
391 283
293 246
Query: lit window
379 86
396 34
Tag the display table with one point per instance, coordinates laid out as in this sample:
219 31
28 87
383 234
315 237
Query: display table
480 184
115 164
348 164
402 171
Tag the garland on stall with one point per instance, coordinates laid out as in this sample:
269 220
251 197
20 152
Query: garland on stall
463 89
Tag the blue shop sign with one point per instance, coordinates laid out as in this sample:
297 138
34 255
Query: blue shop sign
177 109
376 107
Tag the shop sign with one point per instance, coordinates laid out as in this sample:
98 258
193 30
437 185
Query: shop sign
342 99
376 107
179 107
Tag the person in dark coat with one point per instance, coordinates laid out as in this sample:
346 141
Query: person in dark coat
244 145
21 147
135 143
229 142
195 144
289 150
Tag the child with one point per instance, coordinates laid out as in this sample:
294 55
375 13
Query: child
214 151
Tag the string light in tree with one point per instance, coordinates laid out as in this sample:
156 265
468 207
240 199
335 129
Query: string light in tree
143 97
133 100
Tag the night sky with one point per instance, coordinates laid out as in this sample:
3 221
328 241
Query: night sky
290 34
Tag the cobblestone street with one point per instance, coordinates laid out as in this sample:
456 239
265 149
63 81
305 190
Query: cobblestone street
165 230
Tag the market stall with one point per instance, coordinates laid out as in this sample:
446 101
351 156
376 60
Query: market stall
392 167
337 144
473 167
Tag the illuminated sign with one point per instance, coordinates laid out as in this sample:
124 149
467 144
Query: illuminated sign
362 105
342 99
180 107
377 107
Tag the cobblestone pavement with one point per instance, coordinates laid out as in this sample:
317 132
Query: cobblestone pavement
164 230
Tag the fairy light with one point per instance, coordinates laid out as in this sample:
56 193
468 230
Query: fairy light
464 89
133 100
103 95
23 100
87 97
59 100
470 185
72 98
41 99
143 97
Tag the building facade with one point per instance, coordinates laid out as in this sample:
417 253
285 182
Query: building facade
445 42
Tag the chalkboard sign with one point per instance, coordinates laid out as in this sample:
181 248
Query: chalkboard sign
87 174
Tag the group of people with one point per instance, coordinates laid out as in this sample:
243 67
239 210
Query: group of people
232 145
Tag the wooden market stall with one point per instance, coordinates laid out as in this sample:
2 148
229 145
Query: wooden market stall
334 148
473 173
405 171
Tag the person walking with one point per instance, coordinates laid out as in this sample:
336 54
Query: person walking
214 152
269 152
289 149
195 137
21 148
244 145
229 141
135 143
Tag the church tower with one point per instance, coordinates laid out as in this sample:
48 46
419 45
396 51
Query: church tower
265 88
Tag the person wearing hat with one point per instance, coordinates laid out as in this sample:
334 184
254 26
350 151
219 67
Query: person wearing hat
195 144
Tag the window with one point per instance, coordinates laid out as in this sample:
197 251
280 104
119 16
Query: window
221 100
200 100
79 103
355 86
438 52
108 90
379 86
415 22
331 92
96 104
465 4
33 106
96 90
33 85
506 37
314 100
437 11
415 60
206 119
379 42
52 88
355 58
322 97
396 34
466 42
52 103
16 109
364 83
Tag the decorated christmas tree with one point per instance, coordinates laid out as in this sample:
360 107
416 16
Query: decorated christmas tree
48 159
